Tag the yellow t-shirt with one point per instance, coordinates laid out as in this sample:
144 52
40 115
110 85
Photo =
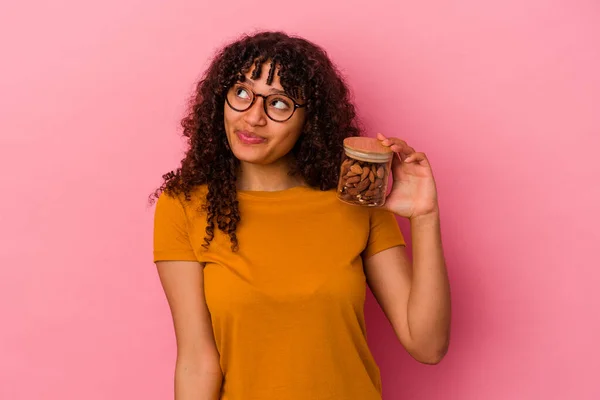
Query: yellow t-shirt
287 308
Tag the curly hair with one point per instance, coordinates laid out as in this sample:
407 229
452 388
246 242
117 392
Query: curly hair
330 117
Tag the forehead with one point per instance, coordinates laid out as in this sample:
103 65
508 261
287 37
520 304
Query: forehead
266 73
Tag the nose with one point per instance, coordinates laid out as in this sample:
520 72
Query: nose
255 115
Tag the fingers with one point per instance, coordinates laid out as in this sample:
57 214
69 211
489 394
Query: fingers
416 158
398 146
404 150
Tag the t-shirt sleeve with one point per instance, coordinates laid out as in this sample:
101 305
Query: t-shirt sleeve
171 238
384 232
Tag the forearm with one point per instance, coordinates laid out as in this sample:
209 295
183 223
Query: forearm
197 381
429 301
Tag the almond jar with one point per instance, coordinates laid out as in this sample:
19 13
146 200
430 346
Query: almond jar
364 172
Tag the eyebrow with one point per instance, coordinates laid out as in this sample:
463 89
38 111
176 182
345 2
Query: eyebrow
272 90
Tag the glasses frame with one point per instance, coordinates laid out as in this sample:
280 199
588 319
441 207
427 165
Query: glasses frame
265 97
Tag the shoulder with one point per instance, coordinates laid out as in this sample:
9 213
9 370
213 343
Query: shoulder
327 205
170 201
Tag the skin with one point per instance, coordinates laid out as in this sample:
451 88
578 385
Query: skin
264 166
414 294
198 374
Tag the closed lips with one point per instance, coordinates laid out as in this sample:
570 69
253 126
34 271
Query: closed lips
248 134
249 137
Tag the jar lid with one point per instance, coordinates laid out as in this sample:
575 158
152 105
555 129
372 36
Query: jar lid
368 149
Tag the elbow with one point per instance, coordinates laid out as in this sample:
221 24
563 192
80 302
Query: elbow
432 359
196 363
431 354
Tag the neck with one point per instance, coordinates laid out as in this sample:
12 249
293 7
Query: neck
269 178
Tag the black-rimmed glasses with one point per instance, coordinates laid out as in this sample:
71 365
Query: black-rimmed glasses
278 107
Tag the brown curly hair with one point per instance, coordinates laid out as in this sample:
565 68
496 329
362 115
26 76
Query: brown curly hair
330 117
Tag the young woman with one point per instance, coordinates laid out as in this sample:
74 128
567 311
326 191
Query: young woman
264 269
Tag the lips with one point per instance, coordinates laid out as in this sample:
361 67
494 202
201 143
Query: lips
249 138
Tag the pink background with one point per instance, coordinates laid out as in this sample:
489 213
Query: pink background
503 96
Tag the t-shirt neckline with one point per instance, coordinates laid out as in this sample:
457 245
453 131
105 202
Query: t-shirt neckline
277 194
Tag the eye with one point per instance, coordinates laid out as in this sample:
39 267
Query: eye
242 93
280 103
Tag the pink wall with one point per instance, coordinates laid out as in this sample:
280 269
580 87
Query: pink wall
503 96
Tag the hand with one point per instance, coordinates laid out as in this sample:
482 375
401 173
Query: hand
413 192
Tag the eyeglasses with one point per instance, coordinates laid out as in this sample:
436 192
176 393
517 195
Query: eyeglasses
278 107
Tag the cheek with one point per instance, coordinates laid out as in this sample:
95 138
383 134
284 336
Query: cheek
288 139
231 119
296 130
227 116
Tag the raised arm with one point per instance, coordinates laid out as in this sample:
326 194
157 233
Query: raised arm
415 295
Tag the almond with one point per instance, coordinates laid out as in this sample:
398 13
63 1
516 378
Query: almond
365 174
353 191
353 179
363 185
345 169
356 169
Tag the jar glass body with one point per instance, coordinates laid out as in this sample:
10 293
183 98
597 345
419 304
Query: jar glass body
364 178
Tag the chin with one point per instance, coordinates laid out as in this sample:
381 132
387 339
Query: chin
251 155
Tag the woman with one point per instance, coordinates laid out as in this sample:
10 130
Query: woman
264 269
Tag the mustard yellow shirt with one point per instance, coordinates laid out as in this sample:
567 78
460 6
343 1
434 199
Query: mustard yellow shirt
287 308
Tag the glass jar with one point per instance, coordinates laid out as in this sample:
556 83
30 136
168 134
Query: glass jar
364 172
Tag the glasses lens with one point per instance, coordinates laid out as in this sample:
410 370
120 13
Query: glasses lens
240 97
279 107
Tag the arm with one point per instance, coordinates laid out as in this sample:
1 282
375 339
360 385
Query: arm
198 374
415 298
